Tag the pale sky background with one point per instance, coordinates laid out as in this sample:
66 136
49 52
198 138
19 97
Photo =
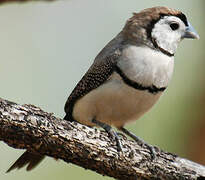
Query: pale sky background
45 48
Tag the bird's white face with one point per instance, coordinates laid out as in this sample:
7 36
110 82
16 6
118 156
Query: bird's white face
168 32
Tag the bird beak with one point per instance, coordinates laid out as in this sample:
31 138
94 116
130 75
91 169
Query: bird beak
190 32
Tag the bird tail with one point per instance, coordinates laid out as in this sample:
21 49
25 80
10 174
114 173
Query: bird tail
27 158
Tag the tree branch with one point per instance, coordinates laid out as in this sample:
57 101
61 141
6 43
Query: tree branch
28 127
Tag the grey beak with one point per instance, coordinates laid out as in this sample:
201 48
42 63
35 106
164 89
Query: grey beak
190 32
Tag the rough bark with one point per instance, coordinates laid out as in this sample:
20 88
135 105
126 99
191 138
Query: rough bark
28 127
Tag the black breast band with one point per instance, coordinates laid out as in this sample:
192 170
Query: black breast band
152 89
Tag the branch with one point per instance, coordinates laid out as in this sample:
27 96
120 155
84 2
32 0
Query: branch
28 127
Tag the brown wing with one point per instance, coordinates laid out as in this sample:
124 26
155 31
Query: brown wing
98 73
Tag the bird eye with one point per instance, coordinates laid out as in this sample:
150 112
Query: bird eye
174 26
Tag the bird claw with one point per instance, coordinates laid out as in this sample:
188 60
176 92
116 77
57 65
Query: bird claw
116 138
151 148
141 142
111 133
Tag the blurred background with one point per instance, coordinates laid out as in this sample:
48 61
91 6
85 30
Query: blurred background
45 48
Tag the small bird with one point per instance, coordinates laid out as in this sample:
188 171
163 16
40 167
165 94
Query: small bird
127 77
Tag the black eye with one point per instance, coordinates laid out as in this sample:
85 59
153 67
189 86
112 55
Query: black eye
174 26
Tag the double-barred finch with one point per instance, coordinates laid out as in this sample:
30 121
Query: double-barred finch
128 76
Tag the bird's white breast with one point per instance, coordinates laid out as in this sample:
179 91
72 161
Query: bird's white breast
116 103
146 66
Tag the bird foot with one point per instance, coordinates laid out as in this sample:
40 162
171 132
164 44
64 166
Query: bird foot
141 142
114 136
